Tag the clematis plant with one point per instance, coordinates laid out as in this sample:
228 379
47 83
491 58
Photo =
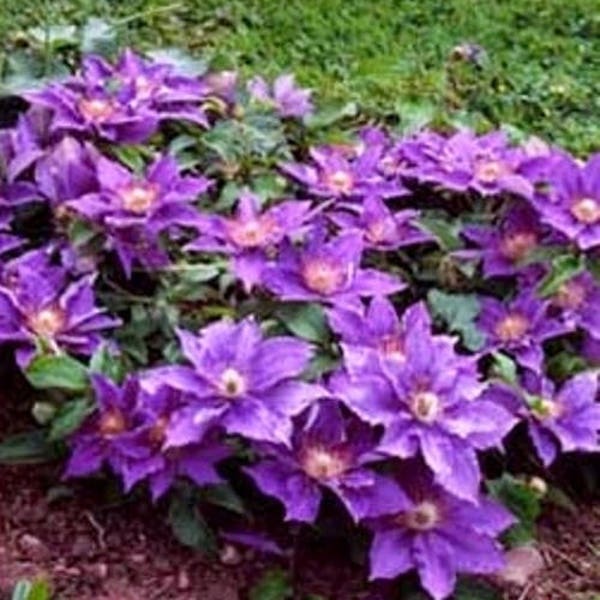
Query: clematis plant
315 377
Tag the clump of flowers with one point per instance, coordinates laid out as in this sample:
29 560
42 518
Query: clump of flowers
350 329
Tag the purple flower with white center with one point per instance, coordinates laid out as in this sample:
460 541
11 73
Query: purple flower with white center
287 99
159 198
328 451
373 339
133 210
37 303
327 271
250 235
67 171
578 300
157 450
439 535
381 228
485 164
565 419
430 405
348 175
572 205
98 440
250 382
520 327
502 248
124 103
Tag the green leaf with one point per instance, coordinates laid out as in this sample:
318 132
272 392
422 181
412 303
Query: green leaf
31 447
106 363
414 116
57 371
274 585
188 525
21 590
504 367
446 232
522 501
332 114
224 496
98 37
563 268
69 418
306 321
184 63
458 312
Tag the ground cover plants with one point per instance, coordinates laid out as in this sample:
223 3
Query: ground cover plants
224 295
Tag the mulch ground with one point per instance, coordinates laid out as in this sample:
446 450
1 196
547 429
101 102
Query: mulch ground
90 548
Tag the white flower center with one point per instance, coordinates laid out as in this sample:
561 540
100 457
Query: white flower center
517 245
340 182
48 322
490 171
425 406
321 463
512 328
423 517
232 383
322 276
96 109
253 233
139 197
587 211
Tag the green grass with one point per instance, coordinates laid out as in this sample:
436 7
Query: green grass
542 73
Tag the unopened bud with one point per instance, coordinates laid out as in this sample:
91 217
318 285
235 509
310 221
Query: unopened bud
538 485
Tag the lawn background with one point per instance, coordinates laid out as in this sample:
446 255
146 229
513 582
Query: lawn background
542 72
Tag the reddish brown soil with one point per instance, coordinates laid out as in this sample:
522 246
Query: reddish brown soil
90 549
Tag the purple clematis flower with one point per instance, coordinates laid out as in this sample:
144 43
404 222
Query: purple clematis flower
578 301
327 271
22 145
439 535
503 248
328 451
124 103
465 161
248 381
373 339
67 171
381 228
565 419
251 235
132 432
348 174
96 443
38 304
430 405
287 99
134 210
520 327
156 200
572 205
